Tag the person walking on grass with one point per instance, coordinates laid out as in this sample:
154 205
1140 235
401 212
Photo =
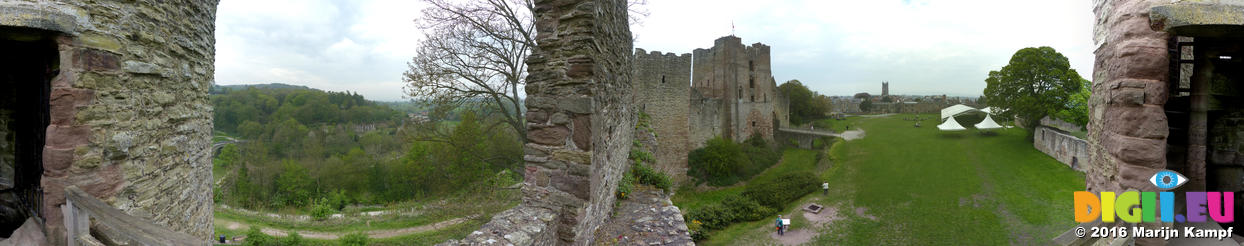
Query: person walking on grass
779 226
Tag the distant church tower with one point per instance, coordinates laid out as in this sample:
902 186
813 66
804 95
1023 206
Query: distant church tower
885 88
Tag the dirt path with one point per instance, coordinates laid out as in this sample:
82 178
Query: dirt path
234 225
852 135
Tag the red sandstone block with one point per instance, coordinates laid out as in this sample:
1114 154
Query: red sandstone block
96 60
56 160
63 103
62 136
1138 151
1136 177
1148 121
1140 59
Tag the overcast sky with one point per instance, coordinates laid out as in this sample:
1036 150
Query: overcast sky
922 47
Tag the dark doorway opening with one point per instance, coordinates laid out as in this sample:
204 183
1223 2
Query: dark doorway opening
30 60
1206 108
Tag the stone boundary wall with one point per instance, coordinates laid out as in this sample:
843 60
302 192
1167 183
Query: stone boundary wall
1065 148
662 90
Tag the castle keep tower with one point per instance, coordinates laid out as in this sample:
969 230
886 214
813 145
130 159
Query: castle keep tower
739 81
729 92
109 97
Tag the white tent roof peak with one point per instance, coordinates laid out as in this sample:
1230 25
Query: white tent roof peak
951 125
988 123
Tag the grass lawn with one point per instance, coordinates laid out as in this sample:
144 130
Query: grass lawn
902 185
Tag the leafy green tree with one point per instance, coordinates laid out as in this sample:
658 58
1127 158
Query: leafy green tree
1037 82
228 155
1077 106
293 183
866 105
805 105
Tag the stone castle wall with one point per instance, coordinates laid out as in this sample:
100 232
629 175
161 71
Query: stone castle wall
1065 148
130 118
662 85
706 119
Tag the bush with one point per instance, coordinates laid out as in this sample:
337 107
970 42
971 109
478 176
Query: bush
256 237
646 175
717 161
713 217
777 192
732 209
321 210
625 185
292 239
353 239
746 209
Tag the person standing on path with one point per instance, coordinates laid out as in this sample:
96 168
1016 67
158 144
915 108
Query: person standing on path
779 225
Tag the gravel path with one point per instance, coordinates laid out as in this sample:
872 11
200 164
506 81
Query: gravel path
234 225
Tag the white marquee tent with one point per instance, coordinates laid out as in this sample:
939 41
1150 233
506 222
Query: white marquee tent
951 125
988 123
949 113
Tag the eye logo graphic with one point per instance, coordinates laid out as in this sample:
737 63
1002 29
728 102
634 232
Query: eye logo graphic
1167 179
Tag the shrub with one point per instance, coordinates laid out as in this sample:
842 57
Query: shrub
256 237
745 209
777 192
292 239
646 175
717 161
625 185
353 239
713 217
321 210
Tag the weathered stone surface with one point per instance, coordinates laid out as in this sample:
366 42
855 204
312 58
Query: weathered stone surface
647 216
537 117
1143 122
96 60
553 135
163 169
1140 151
583 132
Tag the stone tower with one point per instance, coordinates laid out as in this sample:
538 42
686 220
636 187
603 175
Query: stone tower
734 93
1166 95
111 97
885 89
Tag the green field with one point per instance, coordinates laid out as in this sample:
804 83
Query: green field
902 185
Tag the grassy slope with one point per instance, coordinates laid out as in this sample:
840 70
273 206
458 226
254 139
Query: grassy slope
929 187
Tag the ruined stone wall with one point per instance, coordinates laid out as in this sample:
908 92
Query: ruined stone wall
130 118
1065 148
662 85
581 71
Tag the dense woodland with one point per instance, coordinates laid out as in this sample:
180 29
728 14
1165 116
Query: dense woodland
296 147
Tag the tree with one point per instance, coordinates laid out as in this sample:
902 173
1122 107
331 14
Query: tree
1077 106
1037 82
473 51
866 105
805 105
